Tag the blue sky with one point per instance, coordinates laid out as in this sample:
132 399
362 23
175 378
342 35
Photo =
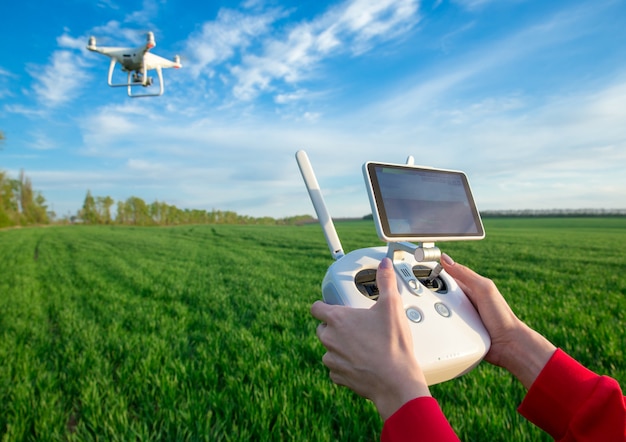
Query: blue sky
527 97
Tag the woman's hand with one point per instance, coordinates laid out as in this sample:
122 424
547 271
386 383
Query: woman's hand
371 350
514 346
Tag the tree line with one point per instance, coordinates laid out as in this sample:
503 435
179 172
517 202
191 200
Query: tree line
135 211
21 205
552 213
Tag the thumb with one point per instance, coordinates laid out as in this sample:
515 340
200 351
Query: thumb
386 280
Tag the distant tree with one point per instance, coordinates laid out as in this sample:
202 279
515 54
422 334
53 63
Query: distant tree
156 214
172 215
295 220
89 212
9 209
32 204
25 196
121 213
137 212
40 212
103 206
164 214
19 203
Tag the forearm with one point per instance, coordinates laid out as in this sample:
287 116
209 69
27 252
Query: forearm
418 419
527 355
570 402
398 393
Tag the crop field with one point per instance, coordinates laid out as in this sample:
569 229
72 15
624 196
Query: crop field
204 332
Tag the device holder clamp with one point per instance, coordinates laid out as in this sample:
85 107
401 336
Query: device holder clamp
422 252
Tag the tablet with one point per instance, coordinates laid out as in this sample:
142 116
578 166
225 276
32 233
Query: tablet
420 204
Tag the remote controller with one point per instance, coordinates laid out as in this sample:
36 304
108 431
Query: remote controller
449 339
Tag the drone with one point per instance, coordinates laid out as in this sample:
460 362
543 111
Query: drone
136 62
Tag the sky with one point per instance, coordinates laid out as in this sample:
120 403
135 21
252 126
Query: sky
527 97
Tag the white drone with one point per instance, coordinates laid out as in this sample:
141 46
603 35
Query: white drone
136 62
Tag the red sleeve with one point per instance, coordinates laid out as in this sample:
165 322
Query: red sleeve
571 403
420 419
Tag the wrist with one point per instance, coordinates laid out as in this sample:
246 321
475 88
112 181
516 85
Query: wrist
391 400
527 355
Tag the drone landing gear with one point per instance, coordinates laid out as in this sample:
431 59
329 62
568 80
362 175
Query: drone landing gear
139 78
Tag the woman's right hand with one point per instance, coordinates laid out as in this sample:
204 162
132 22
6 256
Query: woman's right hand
514 346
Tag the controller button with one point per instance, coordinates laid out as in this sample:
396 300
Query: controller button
443 310
414 314
413 284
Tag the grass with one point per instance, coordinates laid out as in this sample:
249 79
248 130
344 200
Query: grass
204 332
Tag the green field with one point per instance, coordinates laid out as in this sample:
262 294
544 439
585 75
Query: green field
204 332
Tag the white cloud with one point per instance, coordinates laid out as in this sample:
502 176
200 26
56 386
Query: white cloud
367 20
352 27
5 77
218 40
311 116
119 125
291 97
149 10
41 141
150 170
59 81
19 109
68 42
107 4
475 4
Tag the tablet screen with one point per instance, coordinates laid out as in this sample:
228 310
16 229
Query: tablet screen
420 204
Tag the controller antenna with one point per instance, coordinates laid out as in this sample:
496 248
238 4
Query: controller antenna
334 245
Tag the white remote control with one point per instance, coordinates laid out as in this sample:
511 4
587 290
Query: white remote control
449 338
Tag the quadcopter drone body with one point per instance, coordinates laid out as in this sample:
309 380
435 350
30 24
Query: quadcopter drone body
136 62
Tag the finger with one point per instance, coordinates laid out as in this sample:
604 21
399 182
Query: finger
386 279
336 368
320 310
477 288
321 328
464 276
338 379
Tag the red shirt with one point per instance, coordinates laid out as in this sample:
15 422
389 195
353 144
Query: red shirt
568 401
